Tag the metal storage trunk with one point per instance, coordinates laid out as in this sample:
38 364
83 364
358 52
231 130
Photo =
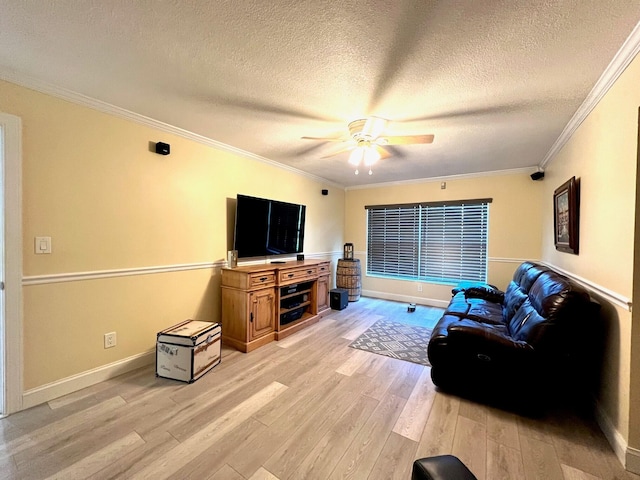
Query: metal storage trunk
188 350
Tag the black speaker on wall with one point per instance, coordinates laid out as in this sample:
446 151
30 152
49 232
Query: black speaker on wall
537 175
163 148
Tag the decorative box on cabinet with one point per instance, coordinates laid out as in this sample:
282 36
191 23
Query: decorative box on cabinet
261 303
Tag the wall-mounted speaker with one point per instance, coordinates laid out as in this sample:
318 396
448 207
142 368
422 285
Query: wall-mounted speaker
163 148
537 175
325 192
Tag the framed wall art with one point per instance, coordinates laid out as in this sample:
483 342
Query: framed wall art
566 215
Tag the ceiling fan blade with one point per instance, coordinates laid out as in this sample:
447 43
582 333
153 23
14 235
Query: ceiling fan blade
405 139
326 139
384 153
342 150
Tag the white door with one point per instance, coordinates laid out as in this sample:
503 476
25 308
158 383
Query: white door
10 265
2 301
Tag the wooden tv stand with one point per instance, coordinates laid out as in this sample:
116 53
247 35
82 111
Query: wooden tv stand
263 303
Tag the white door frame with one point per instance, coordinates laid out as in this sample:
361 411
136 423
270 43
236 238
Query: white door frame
13 337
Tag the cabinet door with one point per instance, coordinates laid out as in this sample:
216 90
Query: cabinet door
323 292
262 313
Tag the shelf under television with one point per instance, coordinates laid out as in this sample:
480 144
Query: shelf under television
294 294
300 305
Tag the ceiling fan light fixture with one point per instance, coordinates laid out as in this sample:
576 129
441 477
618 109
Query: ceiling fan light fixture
357 155
371 156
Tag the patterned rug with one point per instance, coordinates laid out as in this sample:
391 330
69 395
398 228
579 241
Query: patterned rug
397 340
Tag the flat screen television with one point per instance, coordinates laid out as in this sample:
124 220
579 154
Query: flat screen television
268 227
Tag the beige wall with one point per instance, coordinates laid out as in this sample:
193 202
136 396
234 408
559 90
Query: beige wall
514 225
91 182
602 154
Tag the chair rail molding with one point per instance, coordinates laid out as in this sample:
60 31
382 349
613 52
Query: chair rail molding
121 272
606 293
127 272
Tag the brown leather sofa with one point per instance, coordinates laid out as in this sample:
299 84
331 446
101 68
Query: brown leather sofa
518 347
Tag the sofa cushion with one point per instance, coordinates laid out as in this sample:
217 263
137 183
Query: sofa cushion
553 294
477 309
485 312
525 325
458 306
521 271
514 297
530 276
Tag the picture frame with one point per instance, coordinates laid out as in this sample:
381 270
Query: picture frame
566 211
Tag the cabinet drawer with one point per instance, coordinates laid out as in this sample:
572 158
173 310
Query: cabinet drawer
294 275
324 268
264 278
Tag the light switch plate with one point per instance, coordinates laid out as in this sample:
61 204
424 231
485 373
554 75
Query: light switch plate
42 245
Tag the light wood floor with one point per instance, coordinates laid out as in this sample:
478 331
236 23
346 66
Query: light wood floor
308 407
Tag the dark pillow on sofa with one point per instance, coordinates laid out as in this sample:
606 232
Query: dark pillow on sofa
463 286
486 293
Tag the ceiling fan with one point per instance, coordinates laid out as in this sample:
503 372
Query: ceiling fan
367 143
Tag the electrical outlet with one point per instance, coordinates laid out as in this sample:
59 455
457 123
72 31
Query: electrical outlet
110 340
419 287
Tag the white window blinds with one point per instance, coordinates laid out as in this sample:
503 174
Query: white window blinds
438 242
393 241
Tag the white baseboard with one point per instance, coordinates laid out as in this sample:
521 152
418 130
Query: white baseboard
432 302
45 393
616 440
633 460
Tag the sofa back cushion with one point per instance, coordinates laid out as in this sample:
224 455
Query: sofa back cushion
514 297
523 278
525 325
553 309
521 270
530 276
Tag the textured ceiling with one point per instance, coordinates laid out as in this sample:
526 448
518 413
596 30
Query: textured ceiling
495 81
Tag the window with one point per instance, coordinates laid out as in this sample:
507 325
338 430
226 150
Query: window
433 242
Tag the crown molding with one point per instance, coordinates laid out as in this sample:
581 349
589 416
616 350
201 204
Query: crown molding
32 83
514 171
620 62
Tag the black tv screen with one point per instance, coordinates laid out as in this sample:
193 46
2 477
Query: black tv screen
268 227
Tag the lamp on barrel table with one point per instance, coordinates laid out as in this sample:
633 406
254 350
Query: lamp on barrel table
348 251
348 275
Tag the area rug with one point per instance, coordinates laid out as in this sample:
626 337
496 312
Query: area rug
397 340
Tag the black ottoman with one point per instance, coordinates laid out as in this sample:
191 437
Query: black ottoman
444 467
